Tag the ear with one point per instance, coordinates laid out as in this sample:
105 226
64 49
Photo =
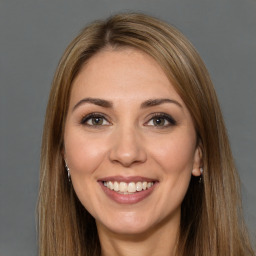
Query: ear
197 161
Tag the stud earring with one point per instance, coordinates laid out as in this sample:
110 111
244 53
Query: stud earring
67 169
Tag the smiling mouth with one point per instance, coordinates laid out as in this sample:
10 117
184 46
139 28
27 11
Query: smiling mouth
128 188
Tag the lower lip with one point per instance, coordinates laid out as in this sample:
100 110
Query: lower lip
127 198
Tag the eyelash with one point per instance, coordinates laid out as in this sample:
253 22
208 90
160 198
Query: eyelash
86 118
166 117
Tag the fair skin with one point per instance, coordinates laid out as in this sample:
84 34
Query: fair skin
126 123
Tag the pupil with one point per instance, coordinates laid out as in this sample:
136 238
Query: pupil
97 120
159 121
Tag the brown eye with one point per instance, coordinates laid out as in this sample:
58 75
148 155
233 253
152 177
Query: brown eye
94 120
159 121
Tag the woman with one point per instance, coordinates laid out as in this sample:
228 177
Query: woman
135 156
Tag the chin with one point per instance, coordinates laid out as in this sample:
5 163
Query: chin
127 230
128 224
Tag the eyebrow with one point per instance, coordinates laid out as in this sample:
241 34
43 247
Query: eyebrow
95 101
109 104
156 102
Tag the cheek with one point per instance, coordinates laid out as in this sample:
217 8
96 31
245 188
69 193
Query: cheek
175 159
176 154
83 154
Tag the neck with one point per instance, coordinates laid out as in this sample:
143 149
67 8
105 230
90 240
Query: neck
161 240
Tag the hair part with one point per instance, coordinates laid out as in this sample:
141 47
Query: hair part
211 215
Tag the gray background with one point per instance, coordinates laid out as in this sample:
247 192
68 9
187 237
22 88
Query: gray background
33 36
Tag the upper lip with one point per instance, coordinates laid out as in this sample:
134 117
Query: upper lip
126 179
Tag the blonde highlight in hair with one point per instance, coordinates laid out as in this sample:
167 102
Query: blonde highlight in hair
211 215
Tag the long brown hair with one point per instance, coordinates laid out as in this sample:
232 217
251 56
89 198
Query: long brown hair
211 216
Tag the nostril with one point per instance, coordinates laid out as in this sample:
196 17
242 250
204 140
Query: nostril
128 156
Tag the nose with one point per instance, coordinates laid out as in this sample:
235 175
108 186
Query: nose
128 148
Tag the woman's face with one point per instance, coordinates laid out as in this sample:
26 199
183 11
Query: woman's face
130 143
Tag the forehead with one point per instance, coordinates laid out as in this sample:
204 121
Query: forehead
122 74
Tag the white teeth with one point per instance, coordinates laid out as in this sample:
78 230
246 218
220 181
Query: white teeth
130 187
116 186
123 187
110 185
150 184
138 186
